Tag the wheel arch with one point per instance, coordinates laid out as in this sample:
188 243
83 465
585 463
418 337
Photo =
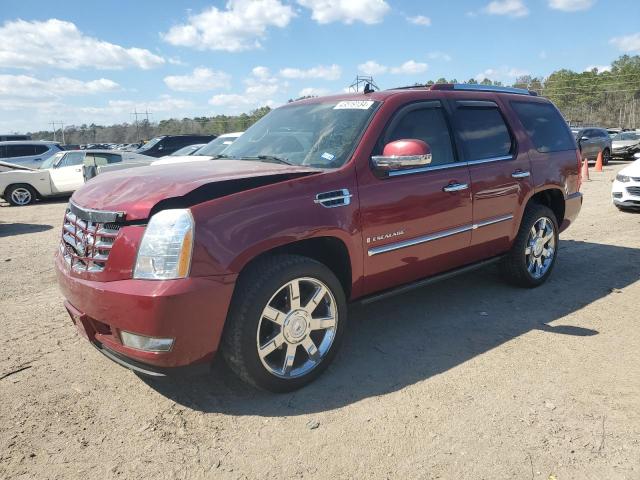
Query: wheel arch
331 251
20 184
552 198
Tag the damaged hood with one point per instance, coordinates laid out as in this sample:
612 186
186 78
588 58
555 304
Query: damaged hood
6 166
136 191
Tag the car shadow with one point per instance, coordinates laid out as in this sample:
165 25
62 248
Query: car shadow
409 338
10 229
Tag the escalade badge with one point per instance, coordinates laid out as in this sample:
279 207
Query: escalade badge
386 236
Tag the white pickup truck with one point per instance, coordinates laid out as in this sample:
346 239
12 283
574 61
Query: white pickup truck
59 175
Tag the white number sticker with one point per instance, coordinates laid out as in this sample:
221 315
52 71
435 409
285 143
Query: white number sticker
354 105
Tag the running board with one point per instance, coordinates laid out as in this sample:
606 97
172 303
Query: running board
427 281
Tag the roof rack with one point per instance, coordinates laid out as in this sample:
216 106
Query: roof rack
481 88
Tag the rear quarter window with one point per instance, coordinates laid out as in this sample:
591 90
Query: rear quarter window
545 126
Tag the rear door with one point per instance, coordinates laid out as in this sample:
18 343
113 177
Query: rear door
67 175
500 174
416 222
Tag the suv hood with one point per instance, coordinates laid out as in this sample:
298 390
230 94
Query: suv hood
136 191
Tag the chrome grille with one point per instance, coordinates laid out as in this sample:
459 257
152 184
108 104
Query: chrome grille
86 245
635 191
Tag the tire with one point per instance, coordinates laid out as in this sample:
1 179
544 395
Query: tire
20 194
263 318
606 156
528 252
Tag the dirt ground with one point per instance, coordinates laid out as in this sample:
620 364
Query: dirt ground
466 379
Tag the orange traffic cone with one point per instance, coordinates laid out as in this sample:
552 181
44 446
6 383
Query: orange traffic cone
599 162
584 174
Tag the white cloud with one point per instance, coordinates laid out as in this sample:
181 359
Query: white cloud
510 8
439 56
627 43
59 44
260 88
420 20
201 80
347 11
240 26
165 103
24 86
503 74
571 5
599 68
313 92
331 72
372 68
410 67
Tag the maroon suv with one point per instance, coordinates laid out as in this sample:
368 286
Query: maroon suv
322 202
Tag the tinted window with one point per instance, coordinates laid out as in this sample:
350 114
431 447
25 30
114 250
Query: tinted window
483 132
428 125
72 158
20 150
40 149
100 159
545 126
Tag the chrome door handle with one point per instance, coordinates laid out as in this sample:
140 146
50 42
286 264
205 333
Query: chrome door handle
520 174
455 187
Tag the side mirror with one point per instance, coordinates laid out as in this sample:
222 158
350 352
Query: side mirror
403 155
637 155
583 138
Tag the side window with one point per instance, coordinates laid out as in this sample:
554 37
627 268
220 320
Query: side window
545 126
100 159
483 132
19 151
40 149
71 159
3 152
428 125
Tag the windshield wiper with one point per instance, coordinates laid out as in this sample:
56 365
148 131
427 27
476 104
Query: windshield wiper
269 158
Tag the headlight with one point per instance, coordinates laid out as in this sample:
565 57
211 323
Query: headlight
622 178
165 249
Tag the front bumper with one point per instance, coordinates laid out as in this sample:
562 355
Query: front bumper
192 311
626 195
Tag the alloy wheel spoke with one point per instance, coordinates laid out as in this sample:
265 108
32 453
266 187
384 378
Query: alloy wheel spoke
273 314
527 251
322 323
294 295
316 299
273 344
310 348
289 358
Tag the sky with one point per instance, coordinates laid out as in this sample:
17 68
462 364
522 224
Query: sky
79 62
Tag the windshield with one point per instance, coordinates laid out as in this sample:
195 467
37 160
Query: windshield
188 150
216 147
627 136
50 162
150 144
316 134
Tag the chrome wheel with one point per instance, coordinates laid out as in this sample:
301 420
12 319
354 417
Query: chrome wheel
297 328
21 196
541 247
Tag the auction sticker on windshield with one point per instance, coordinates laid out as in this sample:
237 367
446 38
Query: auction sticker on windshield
354 105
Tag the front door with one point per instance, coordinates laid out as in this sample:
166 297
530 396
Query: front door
66 175
415 223
500 174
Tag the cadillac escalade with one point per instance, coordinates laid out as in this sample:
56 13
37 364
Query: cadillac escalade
256 253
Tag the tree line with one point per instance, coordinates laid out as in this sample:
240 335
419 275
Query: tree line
607 97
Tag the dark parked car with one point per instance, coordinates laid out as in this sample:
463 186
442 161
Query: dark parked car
9 137
167 144
323 201
592 141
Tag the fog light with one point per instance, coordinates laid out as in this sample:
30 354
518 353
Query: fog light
148 344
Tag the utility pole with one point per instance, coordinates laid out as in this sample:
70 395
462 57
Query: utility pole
53 127
365 81
135 112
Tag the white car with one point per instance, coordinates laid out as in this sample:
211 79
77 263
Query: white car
626 187
59 175
206 152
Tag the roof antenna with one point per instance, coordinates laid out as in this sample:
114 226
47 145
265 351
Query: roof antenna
366 80
368 88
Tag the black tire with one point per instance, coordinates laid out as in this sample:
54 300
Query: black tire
12 191
514 264
254 290
606 156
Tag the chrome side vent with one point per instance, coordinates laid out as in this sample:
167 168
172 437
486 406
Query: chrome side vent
336 198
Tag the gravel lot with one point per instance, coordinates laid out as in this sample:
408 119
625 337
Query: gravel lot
468 378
